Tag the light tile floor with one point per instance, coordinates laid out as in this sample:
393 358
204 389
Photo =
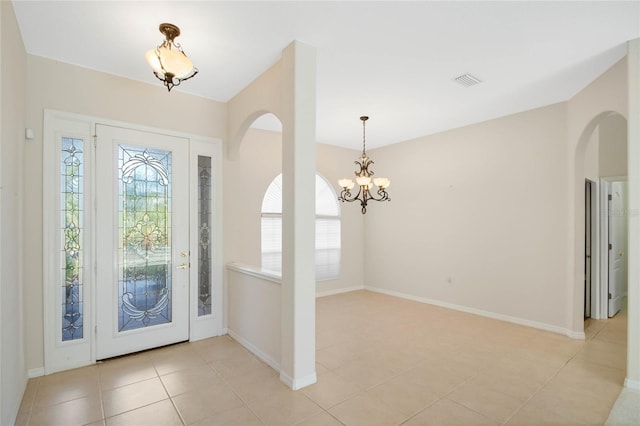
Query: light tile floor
380 361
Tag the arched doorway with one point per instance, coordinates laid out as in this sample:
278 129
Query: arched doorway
600 165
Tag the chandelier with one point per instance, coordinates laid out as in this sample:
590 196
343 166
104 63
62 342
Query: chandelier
169 62
364 180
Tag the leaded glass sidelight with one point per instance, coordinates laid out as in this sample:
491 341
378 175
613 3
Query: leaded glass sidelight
144 285
71 206
204 237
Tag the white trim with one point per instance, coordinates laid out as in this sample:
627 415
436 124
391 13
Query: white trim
254 350
59 355
296 384
35 372
515 320
263 274
602 291
631 384
203 327
339 291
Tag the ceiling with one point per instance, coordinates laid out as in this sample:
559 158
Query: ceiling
394 61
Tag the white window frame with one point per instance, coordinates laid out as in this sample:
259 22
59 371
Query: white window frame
275 242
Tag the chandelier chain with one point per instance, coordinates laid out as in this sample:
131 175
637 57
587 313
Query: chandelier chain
364 140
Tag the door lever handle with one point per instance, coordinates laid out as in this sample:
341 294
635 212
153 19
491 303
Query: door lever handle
182 266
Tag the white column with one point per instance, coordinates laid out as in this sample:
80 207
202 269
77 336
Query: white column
297 363
633 333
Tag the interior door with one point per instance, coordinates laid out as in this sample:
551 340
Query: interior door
617 245
142 247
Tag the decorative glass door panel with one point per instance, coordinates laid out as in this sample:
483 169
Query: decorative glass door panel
144 290
143 240
204 237
72 236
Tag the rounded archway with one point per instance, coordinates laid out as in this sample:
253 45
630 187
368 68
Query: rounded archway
600 152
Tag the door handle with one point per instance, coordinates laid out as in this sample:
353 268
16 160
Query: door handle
621 254
182 266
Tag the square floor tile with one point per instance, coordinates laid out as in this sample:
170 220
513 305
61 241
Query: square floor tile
133 396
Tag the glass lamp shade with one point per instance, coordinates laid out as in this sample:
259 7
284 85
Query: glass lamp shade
382 182
173 61
346 183
363 180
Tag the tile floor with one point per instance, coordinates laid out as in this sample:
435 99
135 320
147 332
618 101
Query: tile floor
380 361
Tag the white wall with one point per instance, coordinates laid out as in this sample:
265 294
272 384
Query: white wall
65 87
13 377
474 218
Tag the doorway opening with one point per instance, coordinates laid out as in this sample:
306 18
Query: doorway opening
614 227
590 225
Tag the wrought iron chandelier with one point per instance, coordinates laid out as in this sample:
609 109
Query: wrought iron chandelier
169 62
364 180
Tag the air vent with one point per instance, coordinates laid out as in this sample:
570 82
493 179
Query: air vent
467 80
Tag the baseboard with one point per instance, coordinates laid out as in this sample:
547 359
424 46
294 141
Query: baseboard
632 384
507 318
254 350
35 372
339 291
299 383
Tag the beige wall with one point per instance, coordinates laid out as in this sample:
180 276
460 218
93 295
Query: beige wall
474 218
486 218
592 158
13 61
612 134
246 179
335 163
65 87
606 151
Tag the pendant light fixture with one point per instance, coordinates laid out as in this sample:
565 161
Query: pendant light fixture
364 179
169 62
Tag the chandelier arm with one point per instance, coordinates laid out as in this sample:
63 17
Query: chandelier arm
384 196
195 71
346 195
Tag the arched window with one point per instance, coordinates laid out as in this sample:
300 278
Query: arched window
327 229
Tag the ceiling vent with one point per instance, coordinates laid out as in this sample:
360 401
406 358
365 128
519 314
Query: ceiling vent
467 80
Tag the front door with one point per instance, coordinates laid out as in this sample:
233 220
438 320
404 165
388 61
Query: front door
142 249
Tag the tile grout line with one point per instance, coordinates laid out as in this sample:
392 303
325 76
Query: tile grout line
244 403
173 404
543 385
104 418
443 396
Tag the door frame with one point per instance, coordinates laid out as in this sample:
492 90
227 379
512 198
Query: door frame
601 290
591 239
59 355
